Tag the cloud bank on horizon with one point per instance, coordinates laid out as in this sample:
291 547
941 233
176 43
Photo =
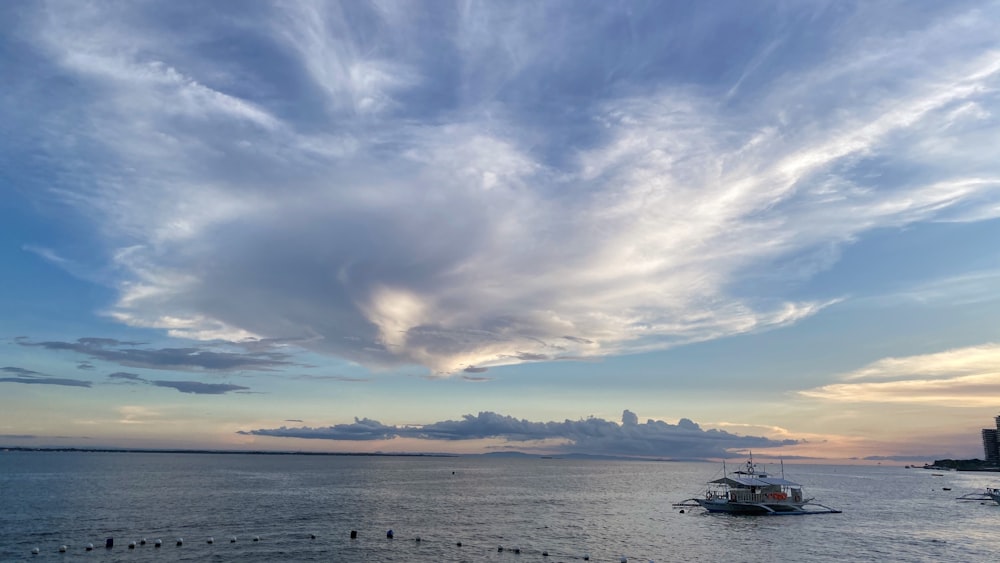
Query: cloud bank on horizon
461 186
596 436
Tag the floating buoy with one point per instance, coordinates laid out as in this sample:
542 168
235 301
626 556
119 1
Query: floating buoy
109 543
158 543
586 557
388 534
90 547
256 538
142 541
459 544
682 511
623 559
517 549
313 536
211 539
180 541
232 539
62 549
131 545
499 548
416 539
545 554
354 535
34 551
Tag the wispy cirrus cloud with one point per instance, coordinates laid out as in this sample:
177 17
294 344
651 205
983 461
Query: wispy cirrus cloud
477 196
137 414
133 354
26 376
193 387
30 377
970 287
199 388
125 377
476 379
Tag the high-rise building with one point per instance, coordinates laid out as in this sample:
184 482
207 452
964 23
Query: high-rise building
991 448
991 444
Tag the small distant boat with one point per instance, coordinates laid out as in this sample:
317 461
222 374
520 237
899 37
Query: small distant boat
751 491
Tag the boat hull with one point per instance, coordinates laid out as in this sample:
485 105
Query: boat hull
753 509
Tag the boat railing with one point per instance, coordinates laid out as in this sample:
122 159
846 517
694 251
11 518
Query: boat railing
745 496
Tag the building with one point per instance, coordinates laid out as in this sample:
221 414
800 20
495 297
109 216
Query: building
991 448
991 444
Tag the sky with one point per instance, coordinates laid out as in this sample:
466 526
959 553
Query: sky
678 230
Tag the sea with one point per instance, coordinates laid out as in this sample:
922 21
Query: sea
467 509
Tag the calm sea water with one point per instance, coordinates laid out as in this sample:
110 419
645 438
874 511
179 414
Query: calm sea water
564 507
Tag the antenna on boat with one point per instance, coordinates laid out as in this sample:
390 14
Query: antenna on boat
782 460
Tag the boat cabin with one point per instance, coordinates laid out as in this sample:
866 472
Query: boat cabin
758 489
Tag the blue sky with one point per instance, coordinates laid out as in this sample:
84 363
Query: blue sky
668 229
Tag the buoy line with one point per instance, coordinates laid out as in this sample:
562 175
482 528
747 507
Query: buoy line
353 537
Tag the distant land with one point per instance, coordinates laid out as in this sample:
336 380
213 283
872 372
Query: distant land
962 465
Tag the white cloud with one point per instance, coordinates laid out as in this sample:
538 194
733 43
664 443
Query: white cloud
962 377
353 79
135 414
432 211
971 360
970 287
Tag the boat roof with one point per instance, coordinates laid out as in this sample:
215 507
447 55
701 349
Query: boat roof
755 481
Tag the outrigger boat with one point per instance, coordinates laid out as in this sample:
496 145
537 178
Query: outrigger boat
751 491
990 494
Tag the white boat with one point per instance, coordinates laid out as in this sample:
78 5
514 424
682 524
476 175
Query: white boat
993 494
751 491
990 494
